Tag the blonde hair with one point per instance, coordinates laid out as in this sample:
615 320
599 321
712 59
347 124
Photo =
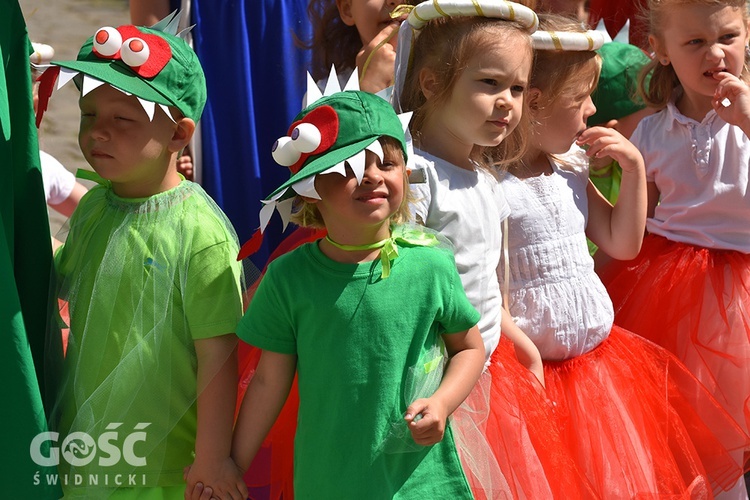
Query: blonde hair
307 214
659 90
445 46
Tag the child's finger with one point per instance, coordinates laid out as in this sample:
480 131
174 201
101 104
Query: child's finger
414 411
207 494
423 425
386 35
196 493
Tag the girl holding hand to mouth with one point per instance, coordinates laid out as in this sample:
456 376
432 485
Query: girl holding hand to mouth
689 288
612 391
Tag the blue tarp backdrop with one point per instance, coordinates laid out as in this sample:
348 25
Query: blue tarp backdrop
255 74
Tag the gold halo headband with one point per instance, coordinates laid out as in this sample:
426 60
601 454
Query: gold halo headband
426 11
567 40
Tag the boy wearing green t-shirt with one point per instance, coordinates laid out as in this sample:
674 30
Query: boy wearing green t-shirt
150 276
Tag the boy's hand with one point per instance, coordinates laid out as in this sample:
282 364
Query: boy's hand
222 479
426 420
603 141
732 100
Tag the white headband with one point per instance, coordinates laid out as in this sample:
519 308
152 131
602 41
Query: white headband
567 40
426 11
432 9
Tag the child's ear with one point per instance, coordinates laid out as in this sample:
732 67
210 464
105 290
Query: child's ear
345 11
182 134
307 199
533 97
659 53
428 82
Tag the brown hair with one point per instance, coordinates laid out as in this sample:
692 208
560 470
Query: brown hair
333 43
307 214
658 91
445 46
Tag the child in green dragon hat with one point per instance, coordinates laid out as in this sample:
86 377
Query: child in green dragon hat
150 273
361 315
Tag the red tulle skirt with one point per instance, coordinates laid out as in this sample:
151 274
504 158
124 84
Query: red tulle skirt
525 437
271 475
640 425
694 302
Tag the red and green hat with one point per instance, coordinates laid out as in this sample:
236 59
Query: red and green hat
154 64
327 136
615 95
331 133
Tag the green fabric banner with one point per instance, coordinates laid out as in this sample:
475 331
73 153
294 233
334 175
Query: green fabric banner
25 264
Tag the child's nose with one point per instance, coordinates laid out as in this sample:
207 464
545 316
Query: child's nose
715 52
589 107
503 100
372 174
98 131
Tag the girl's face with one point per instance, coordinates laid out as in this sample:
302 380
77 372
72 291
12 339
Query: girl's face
486 101
557 124
700 41
365 207
369 16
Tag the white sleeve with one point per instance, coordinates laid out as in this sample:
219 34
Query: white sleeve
58 182
419 183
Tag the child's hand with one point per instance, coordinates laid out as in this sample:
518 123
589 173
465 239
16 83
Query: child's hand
185 166
732 100
220 479
381 52
426 420
603 142
199 492
531 359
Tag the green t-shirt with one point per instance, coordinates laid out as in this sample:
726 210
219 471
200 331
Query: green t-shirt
144 279
356 335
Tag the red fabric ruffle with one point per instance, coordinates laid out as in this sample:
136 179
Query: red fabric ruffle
694 302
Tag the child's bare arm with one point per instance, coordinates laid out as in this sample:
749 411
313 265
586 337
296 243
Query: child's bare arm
217 394
526 351
262 403
617 230
466 353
